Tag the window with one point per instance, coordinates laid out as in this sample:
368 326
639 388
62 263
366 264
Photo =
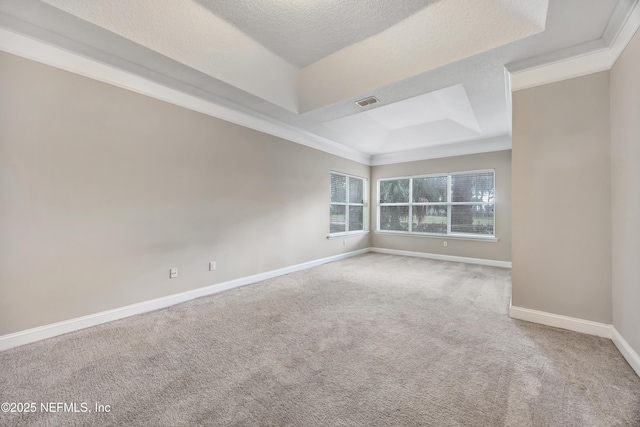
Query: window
347 206
447 204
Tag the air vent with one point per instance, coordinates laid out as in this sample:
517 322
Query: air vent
367 101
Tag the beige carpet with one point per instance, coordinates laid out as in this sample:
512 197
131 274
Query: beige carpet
375 340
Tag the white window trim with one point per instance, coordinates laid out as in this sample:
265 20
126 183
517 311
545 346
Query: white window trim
481 238
347 234
364 204
449 234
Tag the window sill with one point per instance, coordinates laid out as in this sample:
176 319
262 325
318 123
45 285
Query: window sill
491 239
347 234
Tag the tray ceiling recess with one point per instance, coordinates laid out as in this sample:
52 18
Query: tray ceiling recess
410 40
366 79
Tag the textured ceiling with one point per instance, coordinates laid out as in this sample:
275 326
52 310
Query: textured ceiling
194 35
305 31
185 31
443 33
413 54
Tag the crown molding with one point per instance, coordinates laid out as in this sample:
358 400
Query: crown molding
581 60
39 51
497 143
508 95
576 66
626 33
619 16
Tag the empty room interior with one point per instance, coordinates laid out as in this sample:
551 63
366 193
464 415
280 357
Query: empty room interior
320 213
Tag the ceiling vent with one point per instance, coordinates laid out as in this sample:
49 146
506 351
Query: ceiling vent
367 101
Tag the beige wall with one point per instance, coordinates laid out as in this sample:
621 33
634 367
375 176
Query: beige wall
561 198
625 192
103 190
501 250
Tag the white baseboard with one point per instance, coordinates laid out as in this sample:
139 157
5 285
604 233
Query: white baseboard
579 325
493 263
623 346
570 323
48 331
559 321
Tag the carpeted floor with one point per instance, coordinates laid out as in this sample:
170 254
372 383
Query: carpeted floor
375 340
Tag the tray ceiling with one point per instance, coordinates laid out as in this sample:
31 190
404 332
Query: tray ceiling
436 66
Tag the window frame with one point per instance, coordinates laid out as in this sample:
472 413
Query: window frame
449 203
364 204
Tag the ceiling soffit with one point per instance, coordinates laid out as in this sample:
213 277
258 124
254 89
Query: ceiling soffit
418 121
439 33
305 31
443 33
191 34
571 25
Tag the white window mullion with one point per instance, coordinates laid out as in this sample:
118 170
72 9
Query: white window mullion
362 217
346 209
378 207
410 221
449 204
481 182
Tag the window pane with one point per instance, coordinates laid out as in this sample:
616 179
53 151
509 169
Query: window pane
356 218
394 218
476 187
430 219
430 189
472 219
338 219
394 191
338 188
355 190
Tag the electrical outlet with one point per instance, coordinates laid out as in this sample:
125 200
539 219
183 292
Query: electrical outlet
173 273
212 266
445 244
344 243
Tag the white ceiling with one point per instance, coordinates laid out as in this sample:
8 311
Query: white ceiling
193 35
437 66
415 122
304 31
